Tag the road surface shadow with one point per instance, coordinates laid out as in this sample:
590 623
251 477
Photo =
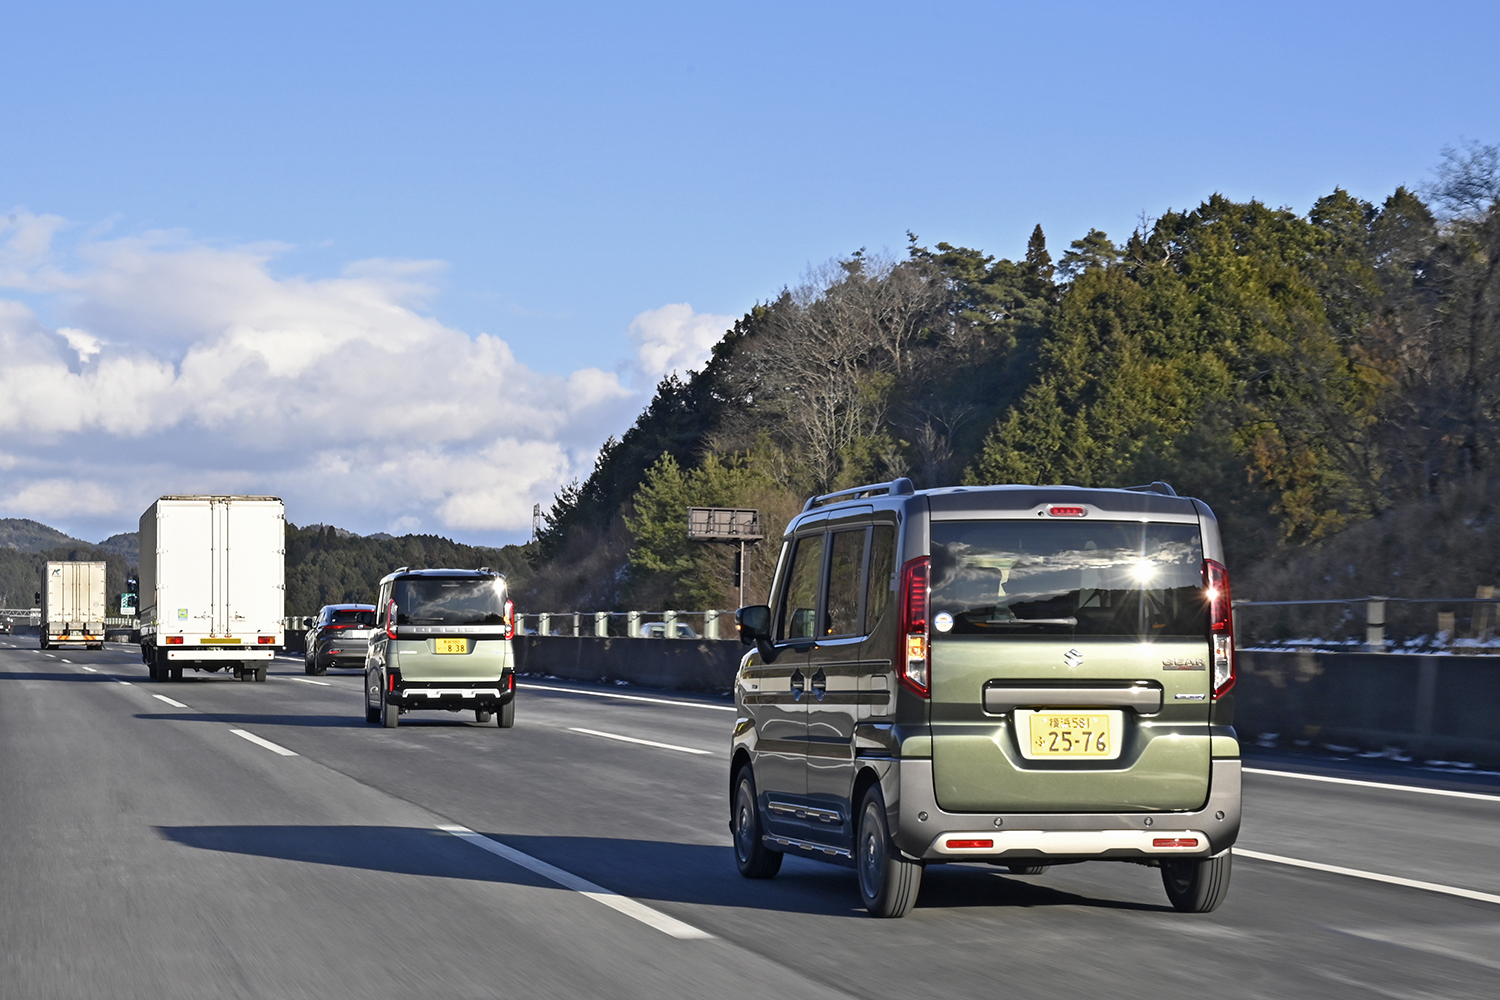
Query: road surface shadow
32 675
643 869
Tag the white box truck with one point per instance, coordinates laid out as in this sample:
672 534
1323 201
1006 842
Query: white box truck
71 597
212 585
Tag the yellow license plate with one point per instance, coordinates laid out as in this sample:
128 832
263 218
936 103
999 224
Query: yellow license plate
450 645
1072 734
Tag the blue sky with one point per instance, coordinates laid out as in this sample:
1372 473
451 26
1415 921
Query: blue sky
529 187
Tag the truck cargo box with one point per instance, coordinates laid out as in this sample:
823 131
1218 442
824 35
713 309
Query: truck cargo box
72 603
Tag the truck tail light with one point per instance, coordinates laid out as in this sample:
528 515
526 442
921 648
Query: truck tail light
390 620
1220 625
174 640
265 640
510 619
914 658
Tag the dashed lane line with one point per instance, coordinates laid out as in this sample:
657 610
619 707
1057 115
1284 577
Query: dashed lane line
309 680
1384 785
644 743
274 748
126 683
627 697
91 670
623 904
67 661
170 701
1410 883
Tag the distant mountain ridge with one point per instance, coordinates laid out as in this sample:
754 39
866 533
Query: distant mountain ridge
26 535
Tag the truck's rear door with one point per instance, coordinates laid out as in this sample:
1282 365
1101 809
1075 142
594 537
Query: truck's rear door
1070 659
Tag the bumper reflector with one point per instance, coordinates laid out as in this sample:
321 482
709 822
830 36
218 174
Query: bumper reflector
1175 842
970 845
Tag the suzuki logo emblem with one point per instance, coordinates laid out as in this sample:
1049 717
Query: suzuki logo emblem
1073 658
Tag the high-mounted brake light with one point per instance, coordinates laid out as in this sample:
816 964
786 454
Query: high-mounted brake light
1220 625
914 657
1067 511
510 620
390 620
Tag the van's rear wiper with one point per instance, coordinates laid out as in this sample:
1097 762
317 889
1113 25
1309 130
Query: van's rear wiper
1030 621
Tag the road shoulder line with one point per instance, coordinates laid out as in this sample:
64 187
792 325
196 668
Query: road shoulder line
644 743
529 686
1386 785
1410 883
623 904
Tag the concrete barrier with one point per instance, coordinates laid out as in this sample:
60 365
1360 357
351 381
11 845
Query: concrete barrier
1445 707
670 664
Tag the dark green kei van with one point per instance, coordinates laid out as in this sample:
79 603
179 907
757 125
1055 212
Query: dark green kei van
1018 675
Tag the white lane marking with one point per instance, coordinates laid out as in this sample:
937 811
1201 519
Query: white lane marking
644 743
126 683
91 670
624 904
53 655
67 661
309 680
1373 784
627 697
1410 883
263 743
169 701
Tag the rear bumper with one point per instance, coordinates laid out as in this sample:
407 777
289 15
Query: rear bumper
457 695
218 654
924 830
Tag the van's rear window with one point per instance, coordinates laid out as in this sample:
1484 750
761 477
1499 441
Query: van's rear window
432 600
1109 578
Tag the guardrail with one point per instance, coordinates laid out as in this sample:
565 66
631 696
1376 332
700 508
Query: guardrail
715 625
1447 634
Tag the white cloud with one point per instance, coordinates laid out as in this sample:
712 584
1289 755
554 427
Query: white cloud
179 366
60 497
673 338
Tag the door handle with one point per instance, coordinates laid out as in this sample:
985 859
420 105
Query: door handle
799 685
820 683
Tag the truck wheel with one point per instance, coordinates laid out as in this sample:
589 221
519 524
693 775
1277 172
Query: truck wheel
176 673
751 856
888 882
390 715
151 669
505 718
1195 886
260 674
482 715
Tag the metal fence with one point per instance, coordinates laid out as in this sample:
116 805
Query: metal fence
713 624
1373 624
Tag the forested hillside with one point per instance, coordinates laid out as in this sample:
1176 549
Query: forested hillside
1303 373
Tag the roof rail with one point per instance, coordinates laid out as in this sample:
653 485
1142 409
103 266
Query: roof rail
1165 489
901 487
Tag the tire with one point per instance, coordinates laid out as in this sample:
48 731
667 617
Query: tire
176 673
260 674
1027 869
888 883
390 715
505 718
307 667
751 855
1195 886
151 669
372 715
319 670
482 715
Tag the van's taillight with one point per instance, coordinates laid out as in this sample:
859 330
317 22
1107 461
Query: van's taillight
1220 625
390 620
1067 511
510 619
914 658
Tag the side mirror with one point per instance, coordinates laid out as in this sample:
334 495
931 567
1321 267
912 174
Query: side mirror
754 624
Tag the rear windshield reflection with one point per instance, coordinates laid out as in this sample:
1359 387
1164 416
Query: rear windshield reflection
436 601
1108 578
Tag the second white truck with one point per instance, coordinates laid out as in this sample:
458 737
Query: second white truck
72 602
212 585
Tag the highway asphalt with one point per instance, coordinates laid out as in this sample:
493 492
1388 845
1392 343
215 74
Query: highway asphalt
211 838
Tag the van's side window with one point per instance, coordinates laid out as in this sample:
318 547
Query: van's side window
799 608
846 565
882 579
